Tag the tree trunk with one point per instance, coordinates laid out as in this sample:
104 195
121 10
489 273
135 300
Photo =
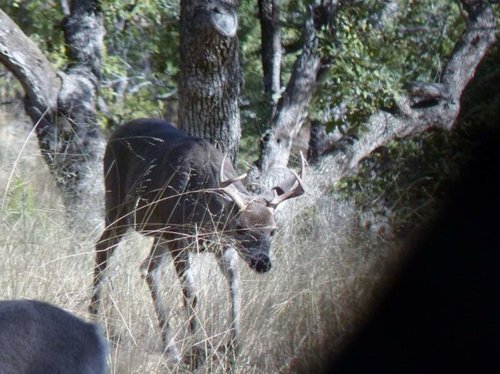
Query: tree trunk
62 105
271 50
209 84
276 144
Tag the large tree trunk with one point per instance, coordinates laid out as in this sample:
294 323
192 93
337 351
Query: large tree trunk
62 105
209 84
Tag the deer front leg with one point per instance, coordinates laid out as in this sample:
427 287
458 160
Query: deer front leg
228 263
150 270
197 355
182 267
104 249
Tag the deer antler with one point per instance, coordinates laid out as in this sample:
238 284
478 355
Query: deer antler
298 188
231 191
224 183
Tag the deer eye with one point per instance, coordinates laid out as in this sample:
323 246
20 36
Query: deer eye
272 232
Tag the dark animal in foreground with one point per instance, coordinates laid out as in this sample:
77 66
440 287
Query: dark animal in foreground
37 337
182 191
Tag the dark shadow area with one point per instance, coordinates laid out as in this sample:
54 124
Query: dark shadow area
442 315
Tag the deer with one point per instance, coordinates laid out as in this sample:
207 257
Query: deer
184 192
38 337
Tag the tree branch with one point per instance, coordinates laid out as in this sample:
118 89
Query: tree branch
469 50
25 60
84 33
62 105
423 105
292 106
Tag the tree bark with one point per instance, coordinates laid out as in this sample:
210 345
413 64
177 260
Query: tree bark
276 144
28 64
424 105
271 50
209 84
62 105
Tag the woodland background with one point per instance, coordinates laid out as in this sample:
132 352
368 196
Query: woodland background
337 247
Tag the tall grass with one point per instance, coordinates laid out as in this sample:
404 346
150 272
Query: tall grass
326 272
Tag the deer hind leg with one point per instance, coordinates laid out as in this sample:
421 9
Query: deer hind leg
104 249
150 270
228 264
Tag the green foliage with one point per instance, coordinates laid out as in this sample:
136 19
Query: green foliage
140 62
20 201
41 21
402 178
373 51
256 111
141 66
409 176
144 34
371 54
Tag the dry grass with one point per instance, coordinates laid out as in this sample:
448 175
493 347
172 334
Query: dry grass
325 272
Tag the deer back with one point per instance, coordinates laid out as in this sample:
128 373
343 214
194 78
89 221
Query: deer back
157 176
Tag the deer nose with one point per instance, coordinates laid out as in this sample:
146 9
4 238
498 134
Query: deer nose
261 263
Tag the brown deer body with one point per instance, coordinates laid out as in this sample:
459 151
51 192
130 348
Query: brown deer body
182 191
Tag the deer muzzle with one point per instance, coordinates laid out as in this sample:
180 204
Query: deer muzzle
261 263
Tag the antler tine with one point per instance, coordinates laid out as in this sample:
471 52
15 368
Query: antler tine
297 190
221 171
302 165
224 183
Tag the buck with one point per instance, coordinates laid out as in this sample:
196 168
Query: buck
183 192
36 337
